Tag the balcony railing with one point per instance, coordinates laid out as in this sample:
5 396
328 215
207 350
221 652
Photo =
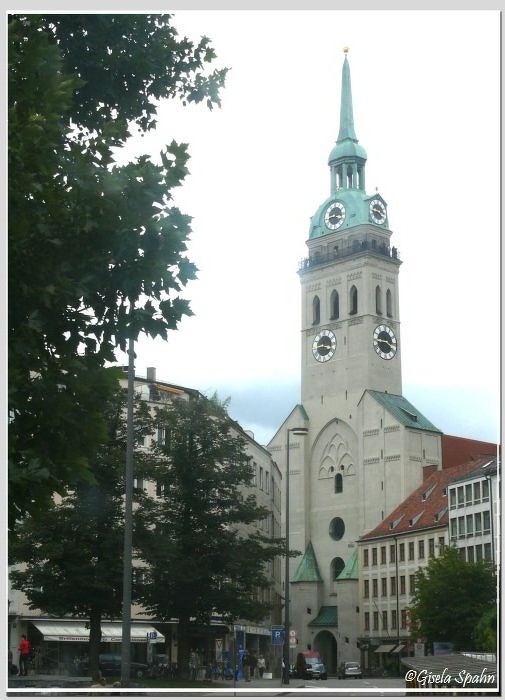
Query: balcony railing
356 248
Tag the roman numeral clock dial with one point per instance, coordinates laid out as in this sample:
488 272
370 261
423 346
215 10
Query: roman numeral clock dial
324 345
384 342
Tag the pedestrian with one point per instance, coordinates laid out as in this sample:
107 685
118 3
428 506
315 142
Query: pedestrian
253 663
246 663
25 649
261 665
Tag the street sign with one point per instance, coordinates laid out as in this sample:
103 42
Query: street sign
292 633
277 634
152 635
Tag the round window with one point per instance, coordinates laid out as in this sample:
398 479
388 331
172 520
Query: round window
337 528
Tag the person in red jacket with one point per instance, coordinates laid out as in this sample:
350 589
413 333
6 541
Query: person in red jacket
24 649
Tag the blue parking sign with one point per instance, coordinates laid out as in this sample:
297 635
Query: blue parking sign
277 634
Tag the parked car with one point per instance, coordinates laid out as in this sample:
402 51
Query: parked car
110 665
309 665
350 669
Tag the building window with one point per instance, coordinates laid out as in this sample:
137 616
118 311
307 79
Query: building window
403 614
478 552
478 523
378 300
365 557
441 545
461 496
431 547
353 300
367 621
392 553
339 483
476 492
401 551
334 305
384 619
267 482
366 588
411 551
403 588
454 528
316 311
469 525
469 555
383 555
485 491
393 585
468 494
393 619
337 528
138 483
389 304
374 588
375 620
374 556
337 566
160 488
487 551
384 587
461 526
421 549
452 498
261 478
487 522
412 584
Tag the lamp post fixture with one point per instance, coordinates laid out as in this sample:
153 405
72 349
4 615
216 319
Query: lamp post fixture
295 431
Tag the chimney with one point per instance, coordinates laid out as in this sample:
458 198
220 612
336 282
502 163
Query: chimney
151 374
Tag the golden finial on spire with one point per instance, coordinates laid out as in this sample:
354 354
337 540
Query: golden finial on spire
346 49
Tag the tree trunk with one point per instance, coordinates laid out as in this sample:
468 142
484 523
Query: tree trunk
183 650
95 637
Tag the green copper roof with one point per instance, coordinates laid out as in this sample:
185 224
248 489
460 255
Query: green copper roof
403 411
346 115
350 572
308 570
326 617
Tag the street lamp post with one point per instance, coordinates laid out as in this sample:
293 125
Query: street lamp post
295 431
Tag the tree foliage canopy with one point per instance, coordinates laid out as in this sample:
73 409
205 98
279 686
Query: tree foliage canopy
96 250
200 540
450 598
72 553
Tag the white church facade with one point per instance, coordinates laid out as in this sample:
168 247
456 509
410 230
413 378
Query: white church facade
366 445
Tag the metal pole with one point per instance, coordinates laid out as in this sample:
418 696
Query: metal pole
286 574
397 603
128 525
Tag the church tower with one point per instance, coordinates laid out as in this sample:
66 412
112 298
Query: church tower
354 447
350 305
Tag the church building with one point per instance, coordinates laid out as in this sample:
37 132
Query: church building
355 446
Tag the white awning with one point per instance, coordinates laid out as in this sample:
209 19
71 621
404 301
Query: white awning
398 649
75 631
384 648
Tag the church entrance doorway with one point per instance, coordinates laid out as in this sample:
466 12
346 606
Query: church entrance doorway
326 644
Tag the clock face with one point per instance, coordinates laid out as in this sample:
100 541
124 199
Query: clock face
377 211
335 215
324 345
384 342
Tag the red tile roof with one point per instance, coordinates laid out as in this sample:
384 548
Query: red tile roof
427 506
456 450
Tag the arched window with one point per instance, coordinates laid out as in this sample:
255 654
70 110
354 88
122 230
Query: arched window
334 305
378 300
337 566
316 311
353 300
339 483
389 304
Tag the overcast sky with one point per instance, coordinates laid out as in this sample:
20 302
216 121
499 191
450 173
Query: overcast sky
426 98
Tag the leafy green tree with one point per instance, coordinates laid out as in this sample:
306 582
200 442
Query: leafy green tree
450 598
72 554
486 631
96 251
199 539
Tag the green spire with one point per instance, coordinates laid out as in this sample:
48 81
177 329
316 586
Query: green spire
308 570
346 115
